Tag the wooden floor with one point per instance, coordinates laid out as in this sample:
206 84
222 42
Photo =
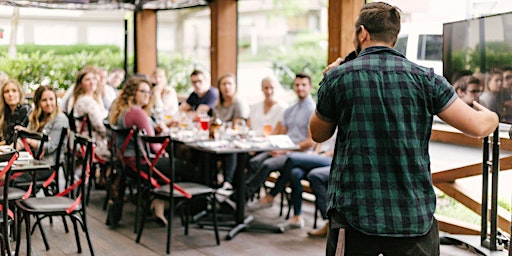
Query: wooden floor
121 241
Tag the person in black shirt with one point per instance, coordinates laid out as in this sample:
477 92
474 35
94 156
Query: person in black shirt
13 110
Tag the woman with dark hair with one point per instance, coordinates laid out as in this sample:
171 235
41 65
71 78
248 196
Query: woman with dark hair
133 108
13 110
229 108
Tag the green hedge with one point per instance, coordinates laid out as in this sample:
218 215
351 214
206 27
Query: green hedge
306 55
61 49
36 67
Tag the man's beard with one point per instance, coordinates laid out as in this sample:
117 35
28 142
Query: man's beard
358 46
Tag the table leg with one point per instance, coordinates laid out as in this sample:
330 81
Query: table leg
241 221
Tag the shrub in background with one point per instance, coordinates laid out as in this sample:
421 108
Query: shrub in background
58 65
306 55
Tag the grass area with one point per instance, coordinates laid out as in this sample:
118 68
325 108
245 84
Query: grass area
449 207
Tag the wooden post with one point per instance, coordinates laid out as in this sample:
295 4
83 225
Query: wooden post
145 41
224 38
342 16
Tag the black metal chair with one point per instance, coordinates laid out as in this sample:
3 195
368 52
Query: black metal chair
7 216
70 202
126 174
82 125
48 180
185 192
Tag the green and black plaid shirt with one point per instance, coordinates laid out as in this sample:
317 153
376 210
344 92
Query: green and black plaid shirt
383 106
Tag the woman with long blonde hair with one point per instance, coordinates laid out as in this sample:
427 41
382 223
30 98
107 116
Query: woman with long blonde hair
13 110
86 100
46 117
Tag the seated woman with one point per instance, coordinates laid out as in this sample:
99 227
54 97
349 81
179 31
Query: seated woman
47 118
13 110
229 108
265 115
86 100
133 108
165 98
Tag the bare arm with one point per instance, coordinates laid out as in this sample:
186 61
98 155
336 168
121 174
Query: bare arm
478 122
306 143
185 107
320 130
280 128
203 108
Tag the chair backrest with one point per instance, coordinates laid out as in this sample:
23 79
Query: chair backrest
7 159
124 138
79 124
152 157
58 161
167 145
81 145
84 124
22 135
111 137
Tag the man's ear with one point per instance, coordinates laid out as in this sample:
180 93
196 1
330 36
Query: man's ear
363 34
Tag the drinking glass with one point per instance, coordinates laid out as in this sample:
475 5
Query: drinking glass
267 129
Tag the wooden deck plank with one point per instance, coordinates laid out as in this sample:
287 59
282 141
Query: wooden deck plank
200 242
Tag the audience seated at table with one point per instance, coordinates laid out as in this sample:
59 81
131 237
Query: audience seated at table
165 98
204 97
297 166
133 108
13 110
87 100
295 124
229 108
265 115
47 118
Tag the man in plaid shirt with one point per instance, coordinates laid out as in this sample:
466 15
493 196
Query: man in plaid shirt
381 197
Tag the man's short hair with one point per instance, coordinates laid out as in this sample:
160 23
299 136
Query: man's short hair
463 82
381 20
303 75
197 72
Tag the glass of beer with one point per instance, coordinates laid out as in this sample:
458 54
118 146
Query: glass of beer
267 129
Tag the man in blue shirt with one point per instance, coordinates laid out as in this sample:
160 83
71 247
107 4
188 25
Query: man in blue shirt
204 97
381 197
295 124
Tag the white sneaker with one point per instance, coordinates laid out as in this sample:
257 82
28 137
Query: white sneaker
256 206
227 186
287 225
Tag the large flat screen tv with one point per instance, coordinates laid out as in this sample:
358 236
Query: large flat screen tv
482 47
478 45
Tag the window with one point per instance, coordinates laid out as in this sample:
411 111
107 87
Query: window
401 44
430 47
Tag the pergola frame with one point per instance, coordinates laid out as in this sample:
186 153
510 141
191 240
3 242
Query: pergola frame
223 59
224 27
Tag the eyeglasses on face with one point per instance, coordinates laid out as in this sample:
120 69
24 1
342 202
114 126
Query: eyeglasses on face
148 92
475 91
